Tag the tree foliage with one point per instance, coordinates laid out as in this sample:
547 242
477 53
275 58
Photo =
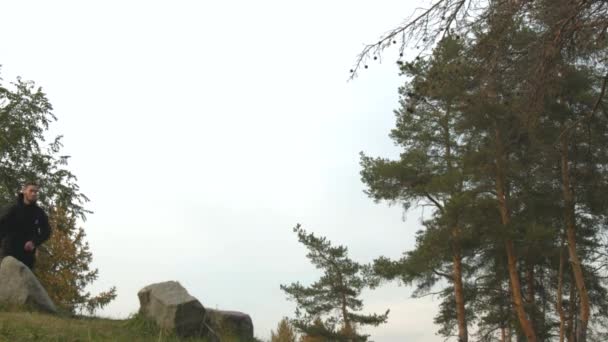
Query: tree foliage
285 332
26 155
330 307
503 127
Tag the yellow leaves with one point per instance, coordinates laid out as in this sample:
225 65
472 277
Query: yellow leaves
63 262
285 332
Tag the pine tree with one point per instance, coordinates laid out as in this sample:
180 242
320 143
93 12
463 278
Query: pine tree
333 300
319 326
530 130
430 169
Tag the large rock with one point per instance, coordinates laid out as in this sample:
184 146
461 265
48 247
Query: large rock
233 322
173 308
20 287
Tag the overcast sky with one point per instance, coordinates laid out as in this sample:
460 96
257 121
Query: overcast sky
204 131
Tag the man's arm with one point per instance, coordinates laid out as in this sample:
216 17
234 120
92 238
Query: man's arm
43 231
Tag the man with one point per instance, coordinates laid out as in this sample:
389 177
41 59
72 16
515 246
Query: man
23 227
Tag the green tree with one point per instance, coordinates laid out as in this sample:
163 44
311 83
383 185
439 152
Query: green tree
25 155
529 126
64 266
579 149
430 169
333 300
319 326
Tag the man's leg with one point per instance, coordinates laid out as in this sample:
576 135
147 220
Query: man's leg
5 247
28 260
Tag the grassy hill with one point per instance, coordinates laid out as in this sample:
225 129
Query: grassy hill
31 326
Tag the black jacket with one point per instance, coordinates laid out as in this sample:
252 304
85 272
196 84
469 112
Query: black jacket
21 223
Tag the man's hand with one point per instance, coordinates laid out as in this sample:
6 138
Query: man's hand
29 246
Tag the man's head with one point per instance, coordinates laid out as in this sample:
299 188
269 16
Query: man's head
30 192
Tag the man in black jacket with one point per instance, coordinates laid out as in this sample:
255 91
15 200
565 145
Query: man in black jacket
23 227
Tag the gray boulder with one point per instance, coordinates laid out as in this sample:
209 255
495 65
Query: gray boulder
20 287
173 308
236 323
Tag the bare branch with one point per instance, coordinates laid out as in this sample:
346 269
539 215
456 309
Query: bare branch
441 274
422 23
435 202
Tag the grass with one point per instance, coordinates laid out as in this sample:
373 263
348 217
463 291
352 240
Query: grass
32 326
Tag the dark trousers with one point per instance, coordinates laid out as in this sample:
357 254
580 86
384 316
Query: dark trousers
8 248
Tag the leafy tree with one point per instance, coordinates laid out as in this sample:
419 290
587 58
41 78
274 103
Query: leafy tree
25 155
285 332
64 268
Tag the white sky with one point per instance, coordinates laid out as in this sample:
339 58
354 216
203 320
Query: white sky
204 131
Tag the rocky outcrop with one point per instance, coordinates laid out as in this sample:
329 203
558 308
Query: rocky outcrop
234 323
20 287
173 309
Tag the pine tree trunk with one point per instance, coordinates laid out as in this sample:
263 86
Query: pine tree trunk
463 335
347 325
530 294
560 288
503 334
459 293
571 329
544 298
568 194
525 323
530 284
